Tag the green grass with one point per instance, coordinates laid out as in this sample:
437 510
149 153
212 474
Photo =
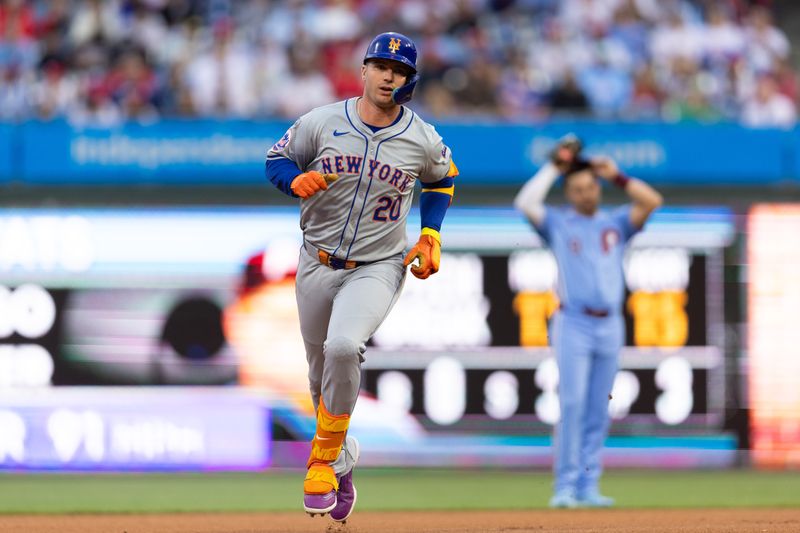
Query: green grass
382 490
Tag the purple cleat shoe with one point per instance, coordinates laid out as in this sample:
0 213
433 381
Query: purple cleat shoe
319 503
346 498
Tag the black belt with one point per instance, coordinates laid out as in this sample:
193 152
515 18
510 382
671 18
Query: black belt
596 313
330 261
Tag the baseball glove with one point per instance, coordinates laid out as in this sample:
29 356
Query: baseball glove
567 151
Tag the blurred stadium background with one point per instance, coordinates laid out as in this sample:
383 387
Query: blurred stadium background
147 314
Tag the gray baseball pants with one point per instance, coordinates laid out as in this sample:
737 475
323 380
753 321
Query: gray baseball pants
339 311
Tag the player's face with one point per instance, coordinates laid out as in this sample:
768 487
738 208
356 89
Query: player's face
583 192
381 77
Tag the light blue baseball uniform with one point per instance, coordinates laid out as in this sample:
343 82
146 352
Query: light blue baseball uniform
589 252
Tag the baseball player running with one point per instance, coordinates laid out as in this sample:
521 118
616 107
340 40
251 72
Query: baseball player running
354 164
588 330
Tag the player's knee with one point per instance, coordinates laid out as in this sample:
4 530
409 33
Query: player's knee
342 351
316 390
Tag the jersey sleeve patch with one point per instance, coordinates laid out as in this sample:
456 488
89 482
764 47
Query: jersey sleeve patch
283 143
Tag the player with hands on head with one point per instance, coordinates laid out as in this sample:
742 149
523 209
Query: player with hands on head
587 332
354 165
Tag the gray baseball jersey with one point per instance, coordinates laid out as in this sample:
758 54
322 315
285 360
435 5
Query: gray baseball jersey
362 215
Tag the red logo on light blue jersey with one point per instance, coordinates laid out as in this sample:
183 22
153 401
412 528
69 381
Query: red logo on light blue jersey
609 239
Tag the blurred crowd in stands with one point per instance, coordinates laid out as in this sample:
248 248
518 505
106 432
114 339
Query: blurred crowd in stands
106 61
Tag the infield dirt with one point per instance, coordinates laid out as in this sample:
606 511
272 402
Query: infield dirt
580 521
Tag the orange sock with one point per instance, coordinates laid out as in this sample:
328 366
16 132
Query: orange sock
325 448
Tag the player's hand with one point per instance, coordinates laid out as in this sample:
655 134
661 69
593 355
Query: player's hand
308 184
605 167
429 252
566 152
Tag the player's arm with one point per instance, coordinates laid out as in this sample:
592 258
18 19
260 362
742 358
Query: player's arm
281 172
645 199
530 199
291 153
289 179
434 201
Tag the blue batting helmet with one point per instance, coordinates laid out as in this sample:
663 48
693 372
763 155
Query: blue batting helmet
396 47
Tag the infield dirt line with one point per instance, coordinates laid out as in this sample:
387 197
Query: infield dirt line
580 521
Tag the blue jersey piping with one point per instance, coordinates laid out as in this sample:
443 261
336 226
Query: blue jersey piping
358 186
366 196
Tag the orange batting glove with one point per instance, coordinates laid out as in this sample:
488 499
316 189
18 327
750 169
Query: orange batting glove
308 184
429 251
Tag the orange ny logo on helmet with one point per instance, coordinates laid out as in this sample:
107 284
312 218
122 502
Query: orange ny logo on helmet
394 45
